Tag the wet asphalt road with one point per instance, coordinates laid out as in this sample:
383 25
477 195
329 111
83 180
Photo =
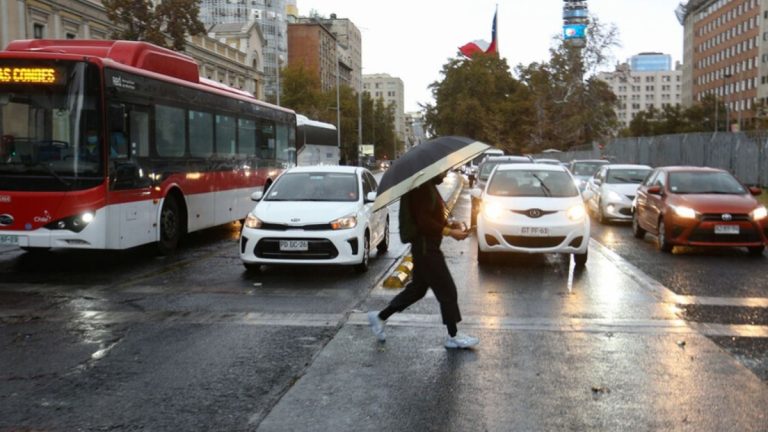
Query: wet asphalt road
131 341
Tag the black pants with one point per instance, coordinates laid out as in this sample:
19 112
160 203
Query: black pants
430 271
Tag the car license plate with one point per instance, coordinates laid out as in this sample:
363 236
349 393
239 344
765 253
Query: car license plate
726 229
534 231
7 239
294 245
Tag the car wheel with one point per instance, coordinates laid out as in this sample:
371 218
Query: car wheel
661 240
170 225
637 231
756 250
600 215
580 259
252 267
363 266
483 257
384 243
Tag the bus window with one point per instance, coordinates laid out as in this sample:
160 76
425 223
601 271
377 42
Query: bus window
266 140
200 134
246 137
170 140
139 132
285 150
225 135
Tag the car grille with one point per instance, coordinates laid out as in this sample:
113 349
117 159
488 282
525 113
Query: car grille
533 242
746 235
317 249
535 213
719 217
626 211
282 227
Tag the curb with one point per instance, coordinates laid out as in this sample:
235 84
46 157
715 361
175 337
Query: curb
402 274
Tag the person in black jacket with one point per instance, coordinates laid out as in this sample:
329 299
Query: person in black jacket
430 220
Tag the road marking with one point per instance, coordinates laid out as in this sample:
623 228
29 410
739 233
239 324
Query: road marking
666 295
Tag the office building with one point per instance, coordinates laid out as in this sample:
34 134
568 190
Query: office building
391 90
650 62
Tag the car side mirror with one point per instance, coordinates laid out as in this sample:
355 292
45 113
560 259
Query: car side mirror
587 195
655 190
370 197
755 191
476 192
597 181
257 196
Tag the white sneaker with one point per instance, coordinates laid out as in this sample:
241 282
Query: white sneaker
377 325
461 341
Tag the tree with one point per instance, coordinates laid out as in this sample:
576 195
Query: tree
141 20
479 98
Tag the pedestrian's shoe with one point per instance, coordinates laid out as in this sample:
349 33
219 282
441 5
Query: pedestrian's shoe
461 341
377 325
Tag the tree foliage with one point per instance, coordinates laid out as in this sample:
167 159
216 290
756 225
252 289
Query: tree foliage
141 20
300 91
700 117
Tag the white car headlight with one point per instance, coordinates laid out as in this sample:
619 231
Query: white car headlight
252 221
345 222
492 211
684 212
576 213
759 213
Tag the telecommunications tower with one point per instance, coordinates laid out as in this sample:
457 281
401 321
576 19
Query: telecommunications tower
575 20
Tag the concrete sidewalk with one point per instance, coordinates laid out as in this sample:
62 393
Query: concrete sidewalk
559 350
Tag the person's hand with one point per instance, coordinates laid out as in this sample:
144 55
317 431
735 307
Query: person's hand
459 234
453 224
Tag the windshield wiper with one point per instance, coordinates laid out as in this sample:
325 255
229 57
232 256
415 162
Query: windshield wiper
544 187
52 173
622 179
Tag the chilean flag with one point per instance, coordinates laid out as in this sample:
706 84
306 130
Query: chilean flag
481 46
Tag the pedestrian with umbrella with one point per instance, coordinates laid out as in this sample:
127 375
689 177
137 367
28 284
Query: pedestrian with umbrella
423 222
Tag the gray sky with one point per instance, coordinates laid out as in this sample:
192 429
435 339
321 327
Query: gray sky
413 39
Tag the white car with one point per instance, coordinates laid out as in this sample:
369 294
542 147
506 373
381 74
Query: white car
531 208
315 215
609 193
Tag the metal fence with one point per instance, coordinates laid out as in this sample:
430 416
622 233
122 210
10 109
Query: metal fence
745 154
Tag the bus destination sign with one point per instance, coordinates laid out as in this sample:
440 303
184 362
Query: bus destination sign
29 75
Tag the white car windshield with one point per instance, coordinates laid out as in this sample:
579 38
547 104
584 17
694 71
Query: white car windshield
586 168
543 183
618 176
314 186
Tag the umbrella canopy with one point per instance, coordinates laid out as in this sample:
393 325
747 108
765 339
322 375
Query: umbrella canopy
424 162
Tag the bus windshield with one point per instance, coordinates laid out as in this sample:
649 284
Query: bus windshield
50 127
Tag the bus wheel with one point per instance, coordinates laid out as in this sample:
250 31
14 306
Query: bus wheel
170 225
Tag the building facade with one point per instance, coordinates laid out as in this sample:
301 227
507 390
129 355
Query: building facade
271 16
726 55
313 46
650 62
349 47
391 90
87 19
641 90
414 129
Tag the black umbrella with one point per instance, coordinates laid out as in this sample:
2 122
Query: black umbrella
423 162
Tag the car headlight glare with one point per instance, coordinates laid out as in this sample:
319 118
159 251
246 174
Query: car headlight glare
492 211
613 196
346 222
684 212
252 221
759 213
576 213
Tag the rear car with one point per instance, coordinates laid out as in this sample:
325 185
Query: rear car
531 208
611 191
584 169
696 206
315 215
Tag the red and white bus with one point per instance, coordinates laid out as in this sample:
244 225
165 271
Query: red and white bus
115 144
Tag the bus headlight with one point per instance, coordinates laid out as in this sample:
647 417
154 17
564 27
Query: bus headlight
252 221
345 222
75 223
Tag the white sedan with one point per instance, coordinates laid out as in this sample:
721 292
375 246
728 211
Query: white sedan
315 215
531 208
609 193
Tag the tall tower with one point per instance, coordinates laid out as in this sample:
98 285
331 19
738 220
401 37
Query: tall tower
575 20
